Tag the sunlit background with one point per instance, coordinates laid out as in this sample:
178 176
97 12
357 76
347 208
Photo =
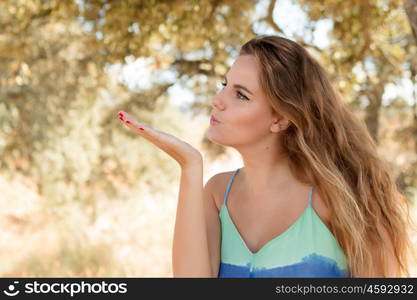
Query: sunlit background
81 195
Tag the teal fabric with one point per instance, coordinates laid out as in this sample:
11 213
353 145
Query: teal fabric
306 249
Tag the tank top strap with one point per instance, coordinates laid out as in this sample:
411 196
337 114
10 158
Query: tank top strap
310 196
226 194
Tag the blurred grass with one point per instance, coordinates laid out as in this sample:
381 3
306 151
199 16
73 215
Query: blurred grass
130 237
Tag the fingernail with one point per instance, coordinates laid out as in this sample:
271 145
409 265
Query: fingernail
141 128
127 121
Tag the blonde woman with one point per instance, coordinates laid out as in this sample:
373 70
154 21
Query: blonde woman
313 199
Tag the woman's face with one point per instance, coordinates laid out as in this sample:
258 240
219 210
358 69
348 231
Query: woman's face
244 113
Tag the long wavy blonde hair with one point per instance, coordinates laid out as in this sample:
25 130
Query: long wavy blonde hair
329 146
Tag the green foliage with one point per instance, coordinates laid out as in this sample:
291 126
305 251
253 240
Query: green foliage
58 106
372 46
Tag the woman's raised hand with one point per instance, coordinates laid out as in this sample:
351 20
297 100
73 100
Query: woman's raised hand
185 154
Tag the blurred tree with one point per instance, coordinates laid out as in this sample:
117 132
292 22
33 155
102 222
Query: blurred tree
370 48
411 10
53 85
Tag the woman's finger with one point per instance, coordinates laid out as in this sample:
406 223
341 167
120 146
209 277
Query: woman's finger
181 151
153 135
130 122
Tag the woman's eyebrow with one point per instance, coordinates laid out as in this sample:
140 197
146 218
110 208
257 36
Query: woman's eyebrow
240 86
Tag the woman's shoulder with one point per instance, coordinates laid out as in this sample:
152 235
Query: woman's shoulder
218 183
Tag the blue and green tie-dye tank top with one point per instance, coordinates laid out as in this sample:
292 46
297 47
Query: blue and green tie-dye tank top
306 249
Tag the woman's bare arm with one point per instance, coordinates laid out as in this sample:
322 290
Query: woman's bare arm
190 254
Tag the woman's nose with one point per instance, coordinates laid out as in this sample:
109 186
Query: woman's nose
217 102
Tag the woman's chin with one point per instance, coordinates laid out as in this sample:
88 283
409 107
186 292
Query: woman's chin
212 138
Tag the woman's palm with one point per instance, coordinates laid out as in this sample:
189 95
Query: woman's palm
181 151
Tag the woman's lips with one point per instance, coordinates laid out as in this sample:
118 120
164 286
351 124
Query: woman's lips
213 121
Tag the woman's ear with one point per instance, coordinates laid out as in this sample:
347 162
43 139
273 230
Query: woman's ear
280 125
283 124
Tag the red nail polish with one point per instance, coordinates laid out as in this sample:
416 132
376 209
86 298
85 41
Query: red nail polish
141 128
127 121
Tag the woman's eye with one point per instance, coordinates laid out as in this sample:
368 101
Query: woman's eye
239 94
